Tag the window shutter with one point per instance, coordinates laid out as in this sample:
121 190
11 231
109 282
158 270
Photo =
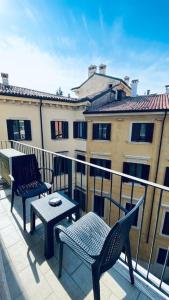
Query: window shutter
65 133
108 135
10 129
108 166
85 130
92 169
166 179
135 136
27 126
52 126
145 171
75 130
126 170
95 131
149 132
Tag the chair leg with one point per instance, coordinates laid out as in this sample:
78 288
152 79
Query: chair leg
60 259
129 259
96 283
24 213
50 191
12 200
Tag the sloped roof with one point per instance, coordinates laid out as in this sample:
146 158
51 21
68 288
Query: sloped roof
11 90
147 103
102 75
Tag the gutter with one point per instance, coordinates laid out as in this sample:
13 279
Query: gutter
156 175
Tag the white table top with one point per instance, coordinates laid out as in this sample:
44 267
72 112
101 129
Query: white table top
10 152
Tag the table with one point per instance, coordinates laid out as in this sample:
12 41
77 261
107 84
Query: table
50 216
6 162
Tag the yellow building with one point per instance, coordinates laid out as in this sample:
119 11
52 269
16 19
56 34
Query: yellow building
131 136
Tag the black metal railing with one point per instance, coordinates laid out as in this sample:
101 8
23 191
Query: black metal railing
106 191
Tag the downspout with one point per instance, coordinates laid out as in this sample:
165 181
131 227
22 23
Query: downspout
156 174
41 124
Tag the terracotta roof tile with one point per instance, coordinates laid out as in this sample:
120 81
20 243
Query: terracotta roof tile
132 104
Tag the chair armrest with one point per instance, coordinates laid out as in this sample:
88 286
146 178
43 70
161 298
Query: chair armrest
11 178
51 170
117 204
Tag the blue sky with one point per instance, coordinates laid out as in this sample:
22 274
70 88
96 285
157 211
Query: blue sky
47 44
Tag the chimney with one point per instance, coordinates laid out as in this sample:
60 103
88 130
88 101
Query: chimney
134 85
167 89
127 79
4 78
148 92
102 69
91 70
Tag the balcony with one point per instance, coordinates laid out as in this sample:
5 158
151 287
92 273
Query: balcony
27 275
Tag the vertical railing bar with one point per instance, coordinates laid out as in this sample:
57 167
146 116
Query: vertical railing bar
164 267
141 226
110 197
155 231
87 187
94 188
132 191
121 189
81 184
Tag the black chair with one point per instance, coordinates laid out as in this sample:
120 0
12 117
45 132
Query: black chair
26 180
98 244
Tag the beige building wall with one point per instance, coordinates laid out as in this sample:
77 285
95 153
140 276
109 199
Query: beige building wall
97 84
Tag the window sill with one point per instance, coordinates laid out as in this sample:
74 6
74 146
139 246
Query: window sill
101 140
81 139
140 143
164 235
135 184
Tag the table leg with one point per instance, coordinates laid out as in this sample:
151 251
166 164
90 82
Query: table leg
49 241
32 221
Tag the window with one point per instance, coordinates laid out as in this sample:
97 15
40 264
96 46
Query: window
80 130
142 132
80 197
165 229
101 131
80 167
162 256
130 206
166 180
19 130
59 130
136 170
103 163
60 166
99 205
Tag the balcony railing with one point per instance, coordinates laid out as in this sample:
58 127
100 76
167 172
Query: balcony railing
104 191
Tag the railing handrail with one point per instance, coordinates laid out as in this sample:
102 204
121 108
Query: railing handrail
120 174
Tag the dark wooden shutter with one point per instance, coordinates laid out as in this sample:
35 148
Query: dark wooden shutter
53 133
28 133
108 166
108 134
126 170
166 179
149 132
65 133
92 169
85 130
99 205
95 131
75 130
10 129
145 171
135 136
165 229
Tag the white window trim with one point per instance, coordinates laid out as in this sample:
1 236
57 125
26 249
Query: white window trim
130 133
126 199
162 223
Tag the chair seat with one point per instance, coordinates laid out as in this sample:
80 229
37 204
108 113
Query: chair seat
86 236
33 189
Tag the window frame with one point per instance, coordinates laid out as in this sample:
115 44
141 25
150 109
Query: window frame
62 162
64 135
104 204
106 175
165 210
140 142
125 180
157 254
82 166
27 129
101 138
83 130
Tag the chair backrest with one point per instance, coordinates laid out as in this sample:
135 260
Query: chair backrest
25 169
117 238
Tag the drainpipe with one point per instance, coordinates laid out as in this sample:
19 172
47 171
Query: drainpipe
156 174
41 124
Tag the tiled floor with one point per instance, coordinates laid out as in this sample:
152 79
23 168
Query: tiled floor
30 276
